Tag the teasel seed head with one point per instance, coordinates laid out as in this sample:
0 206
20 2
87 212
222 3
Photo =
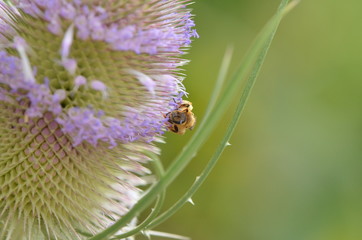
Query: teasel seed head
83 89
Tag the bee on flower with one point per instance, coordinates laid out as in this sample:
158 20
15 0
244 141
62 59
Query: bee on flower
181 118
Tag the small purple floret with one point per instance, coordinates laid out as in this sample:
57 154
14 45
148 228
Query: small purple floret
87 125
40 97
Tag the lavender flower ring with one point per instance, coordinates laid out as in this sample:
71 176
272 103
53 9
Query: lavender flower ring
77 82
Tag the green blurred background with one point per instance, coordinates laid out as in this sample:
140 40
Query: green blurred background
294 168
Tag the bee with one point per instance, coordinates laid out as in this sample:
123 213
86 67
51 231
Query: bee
181 118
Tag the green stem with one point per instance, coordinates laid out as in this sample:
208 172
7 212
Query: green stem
225 64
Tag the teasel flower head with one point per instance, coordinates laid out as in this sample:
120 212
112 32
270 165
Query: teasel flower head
84 85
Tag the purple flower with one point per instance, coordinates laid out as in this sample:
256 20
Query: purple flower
84 87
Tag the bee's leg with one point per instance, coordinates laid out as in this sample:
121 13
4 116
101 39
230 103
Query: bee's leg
174 129
166 115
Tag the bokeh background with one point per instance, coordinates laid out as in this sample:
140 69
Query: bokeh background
294 169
